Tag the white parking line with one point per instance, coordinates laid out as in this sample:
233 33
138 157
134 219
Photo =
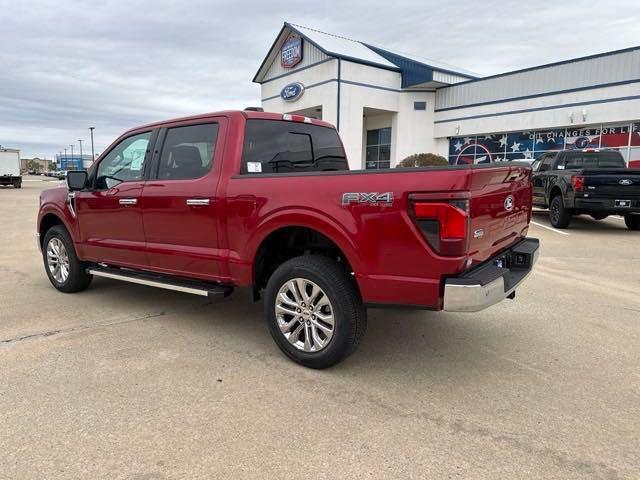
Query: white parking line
549 228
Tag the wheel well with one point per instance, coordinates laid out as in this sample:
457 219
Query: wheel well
48 221
289 242
554 191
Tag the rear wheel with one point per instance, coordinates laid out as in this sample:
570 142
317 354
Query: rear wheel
65 271
314 311
632 221
559 216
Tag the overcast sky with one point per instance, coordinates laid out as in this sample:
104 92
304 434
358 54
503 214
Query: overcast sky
67 65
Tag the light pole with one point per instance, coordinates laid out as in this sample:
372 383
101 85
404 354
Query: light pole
93 155
72 159
81 159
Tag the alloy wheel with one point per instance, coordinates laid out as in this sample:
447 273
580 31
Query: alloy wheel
58 260
305 315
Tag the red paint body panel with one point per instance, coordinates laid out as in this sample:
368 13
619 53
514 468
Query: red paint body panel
391 260
110 230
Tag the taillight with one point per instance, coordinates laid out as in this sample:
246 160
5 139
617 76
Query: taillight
296 118
577 181
444 224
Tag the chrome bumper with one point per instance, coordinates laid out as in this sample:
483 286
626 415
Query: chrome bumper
491 282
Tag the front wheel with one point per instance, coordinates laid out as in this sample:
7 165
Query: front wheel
559 216
65 271
632 221
314 311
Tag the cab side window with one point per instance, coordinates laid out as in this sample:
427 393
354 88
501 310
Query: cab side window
187 152
535 166
124 163
546 162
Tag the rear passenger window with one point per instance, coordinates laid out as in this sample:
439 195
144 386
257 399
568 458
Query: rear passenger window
187 152
274 146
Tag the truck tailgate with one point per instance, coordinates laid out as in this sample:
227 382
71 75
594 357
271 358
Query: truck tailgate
616 182
500 209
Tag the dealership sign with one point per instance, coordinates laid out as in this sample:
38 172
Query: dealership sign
292 92
291 51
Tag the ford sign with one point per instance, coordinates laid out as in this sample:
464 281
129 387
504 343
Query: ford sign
292 92
291 51
582 142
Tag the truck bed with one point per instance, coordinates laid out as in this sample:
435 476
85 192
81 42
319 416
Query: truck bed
383 241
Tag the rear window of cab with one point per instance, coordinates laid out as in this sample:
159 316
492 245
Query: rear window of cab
277 146
578 160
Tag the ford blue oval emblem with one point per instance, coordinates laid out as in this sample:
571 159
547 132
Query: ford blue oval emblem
581 142
292 92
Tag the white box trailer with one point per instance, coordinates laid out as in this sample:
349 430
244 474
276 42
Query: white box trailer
10 167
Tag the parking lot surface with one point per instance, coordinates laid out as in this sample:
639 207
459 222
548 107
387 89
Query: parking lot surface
126 381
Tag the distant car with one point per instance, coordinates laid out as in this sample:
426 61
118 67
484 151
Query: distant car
592 181
61 175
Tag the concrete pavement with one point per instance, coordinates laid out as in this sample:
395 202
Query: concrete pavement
125 381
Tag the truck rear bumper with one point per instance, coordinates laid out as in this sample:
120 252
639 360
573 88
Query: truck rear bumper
492 281
609 205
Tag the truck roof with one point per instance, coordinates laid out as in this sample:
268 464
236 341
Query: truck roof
248 114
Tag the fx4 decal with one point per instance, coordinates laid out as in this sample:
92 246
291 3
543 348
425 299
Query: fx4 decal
367 198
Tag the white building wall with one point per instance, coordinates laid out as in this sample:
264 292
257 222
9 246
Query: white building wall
597 105
412 130
319 91
610 68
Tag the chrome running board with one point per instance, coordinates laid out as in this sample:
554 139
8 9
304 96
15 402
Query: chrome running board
194 287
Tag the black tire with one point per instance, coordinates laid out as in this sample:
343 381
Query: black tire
632 221
78 279
559 216
599 216
350 316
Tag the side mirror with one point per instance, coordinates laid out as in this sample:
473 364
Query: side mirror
76 180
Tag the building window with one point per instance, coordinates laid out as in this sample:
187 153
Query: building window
378 153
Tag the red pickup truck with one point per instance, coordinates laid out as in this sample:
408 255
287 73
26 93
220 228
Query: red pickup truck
210 203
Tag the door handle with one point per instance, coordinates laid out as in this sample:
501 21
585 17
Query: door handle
193 202
128 201
71 196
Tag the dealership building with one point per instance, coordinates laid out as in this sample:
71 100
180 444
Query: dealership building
389 105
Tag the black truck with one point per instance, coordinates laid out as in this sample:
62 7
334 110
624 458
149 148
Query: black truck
593 182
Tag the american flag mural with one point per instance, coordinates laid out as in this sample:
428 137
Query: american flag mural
530 144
